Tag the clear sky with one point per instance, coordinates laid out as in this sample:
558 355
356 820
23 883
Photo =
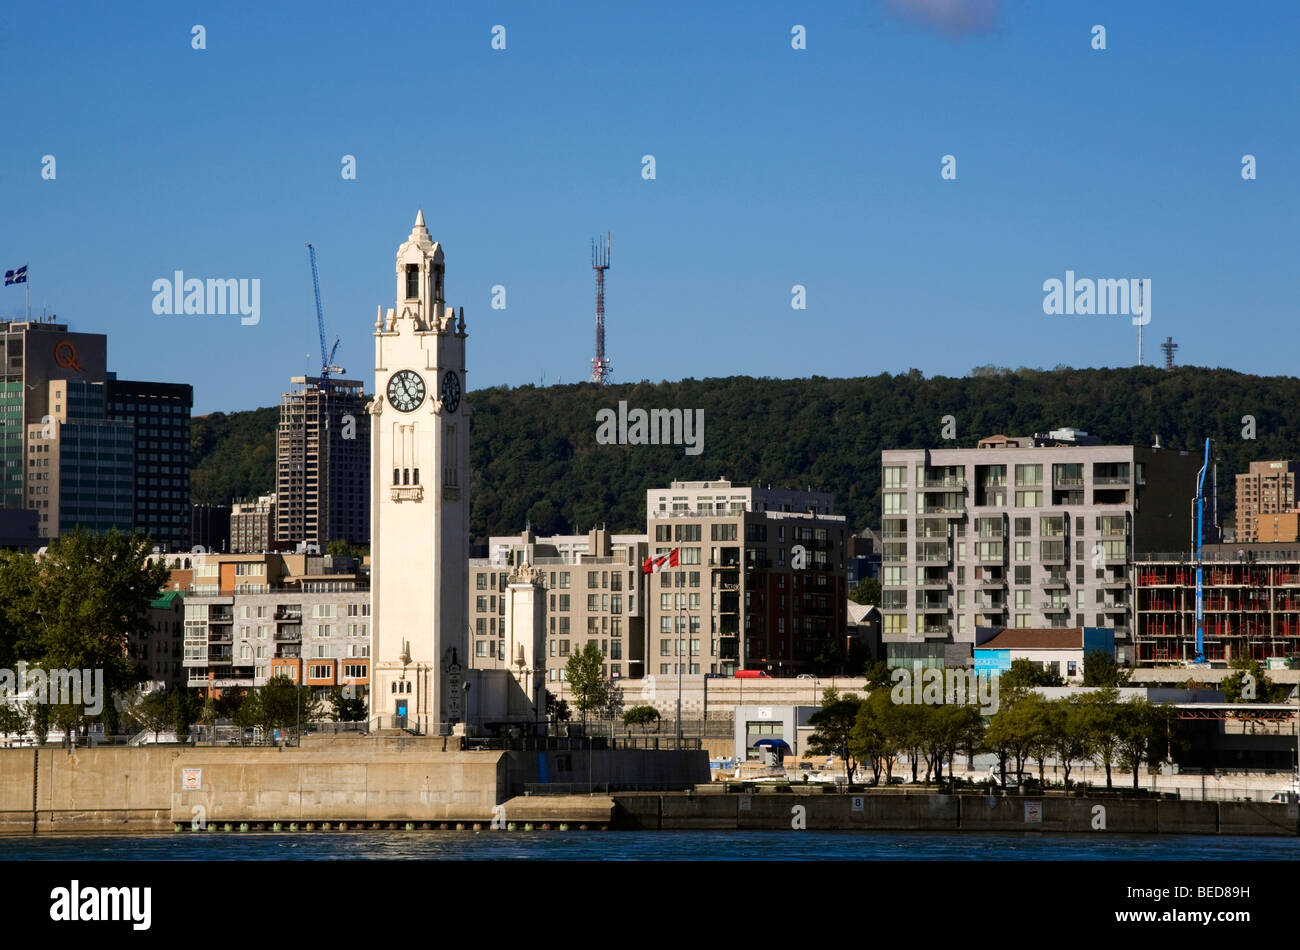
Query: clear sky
774 167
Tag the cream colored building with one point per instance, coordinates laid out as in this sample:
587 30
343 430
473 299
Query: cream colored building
593 590
419 488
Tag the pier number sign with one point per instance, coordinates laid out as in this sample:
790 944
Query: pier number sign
192 780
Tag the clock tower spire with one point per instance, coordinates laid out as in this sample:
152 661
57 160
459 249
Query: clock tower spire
419 500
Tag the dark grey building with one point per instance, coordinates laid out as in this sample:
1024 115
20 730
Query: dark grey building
160 413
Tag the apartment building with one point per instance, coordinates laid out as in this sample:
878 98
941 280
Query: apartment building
250 617
1268 488
761 584
1250 604
252 525
322 482
158 649
595 591
1022 532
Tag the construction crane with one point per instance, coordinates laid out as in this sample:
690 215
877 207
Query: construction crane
326 361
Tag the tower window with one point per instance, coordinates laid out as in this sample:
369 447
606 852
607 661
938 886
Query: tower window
415 478
412 281
397 477
406 476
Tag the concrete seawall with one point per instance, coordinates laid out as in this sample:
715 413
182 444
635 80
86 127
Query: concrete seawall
396 781
328 779
784 811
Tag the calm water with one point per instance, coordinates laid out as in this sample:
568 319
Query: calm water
645 846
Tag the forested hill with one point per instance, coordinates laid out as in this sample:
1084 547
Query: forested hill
535 456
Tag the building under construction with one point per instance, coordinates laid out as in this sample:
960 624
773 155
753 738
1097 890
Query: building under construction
322 481
1250 604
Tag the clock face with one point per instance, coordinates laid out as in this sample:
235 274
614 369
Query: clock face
451 391
406 390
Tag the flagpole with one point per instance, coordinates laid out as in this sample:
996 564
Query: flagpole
681 602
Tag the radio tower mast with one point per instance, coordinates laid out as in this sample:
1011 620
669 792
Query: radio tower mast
600 371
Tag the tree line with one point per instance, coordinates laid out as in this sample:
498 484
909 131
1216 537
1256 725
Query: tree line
534 457
877 732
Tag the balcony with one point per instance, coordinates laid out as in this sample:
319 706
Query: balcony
1068 481
1055 581
990 582
1054 606
288 613
948 482
932 555
1102 481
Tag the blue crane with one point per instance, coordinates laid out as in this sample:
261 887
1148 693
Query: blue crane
327 362
1200 511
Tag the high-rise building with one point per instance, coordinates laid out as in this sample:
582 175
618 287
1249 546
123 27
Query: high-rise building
1022 532
323 463
252 525
80 466
33 353
210 527
160 414
1268 488
64 420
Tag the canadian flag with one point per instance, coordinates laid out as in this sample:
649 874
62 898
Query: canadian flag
653 565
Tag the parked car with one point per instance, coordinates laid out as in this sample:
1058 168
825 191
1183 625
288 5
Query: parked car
1014 779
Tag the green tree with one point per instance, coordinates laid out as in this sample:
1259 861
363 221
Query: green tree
1068 735
14 719
871 740
1100 669
152 711
344 708
1141 733
877 675
184 707
1248 683
1025 674
76 609
557 709
586 680
1099 712
1015 729
641 716
832 726
866 592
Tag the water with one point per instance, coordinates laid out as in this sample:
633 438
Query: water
645 846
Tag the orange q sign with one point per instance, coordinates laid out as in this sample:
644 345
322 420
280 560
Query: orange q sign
65 355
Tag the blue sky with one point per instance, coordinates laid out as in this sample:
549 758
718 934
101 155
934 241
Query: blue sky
774 167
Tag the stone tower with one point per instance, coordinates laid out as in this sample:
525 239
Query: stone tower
419 500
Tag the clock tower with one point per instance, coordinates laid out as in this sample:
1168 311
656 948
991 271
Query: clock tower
419 501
